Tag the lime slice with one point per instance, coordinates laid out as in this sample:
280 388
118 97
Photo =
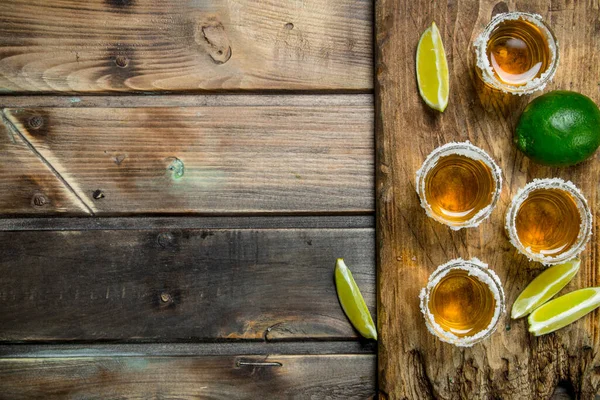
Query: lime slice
563 310
543 287
352 301
432 69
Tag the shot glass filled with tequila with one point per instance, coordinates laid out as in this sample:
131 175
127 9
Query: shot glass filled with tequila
516 53
549 221
459 185
462 302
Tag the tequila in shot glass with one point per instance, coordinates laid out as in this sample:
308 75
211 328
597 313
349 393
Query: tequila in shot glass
549 221
462 302
516 53
459 185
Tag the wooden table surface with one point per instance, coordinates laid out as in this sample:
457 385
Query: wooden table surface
177 179
512 364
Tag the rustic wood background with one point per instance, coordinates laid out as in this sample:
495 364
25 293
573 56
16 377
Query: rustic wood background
177 179
511 364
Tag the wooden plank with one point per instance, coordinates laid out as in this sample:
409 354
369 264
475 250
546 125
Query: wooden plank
179 285
28 186
511 364
122 46
245 159
224 377
186 100
238 222
243 347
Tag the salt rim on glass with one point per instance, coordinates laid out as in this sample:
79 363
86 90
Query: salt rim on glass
473 152
585 229
483 63
479 270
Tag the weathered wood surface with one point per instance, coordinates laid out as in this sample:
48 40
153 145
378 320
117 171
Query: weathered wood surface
128 45
220 348
511 364
27 184
188 222
186 100
215 159
179 285
214 377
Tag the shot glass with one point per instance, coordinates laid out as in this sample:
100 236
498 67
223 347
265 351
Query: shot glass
462 302
459 185
516 53
549 221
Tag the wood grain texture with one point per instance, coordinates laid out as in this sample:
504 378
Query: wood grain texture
186 100
221 348
127 45
28 186
222 159
179 285
235 222
511 364
224 377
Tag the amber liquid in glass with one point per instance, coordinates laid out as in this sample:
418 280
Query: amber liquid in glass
462 304
518 52
458 187
548 222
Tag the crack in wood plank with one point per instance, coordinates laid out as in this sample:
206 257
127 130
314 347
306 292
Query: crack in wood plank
9 127
13 128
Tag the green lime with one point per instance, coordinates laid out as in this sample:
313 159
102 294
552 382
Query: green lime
544 287
559 128
352 301
563 310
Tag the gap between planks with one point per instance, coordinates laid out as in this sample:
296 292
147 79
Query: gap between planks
178 100
67 350
223 222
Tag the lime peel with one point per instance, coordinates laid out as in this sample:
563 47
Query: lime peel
352 301
431 38
570 307
544 287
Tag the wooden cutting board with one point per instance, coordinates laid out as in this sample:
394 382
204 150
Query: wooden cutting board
512 364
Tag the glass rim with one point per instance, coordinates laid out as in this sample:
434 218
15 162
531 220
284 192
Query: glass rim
473 152
585 214
484 274
483 64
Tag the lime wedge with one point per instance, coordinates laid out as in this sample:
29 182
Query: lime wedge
352 301
432 69
563 310
543 287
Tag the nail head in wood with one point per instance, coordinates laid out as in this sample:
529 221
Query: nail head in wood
121 61
35 122
165 239
165 297
39 200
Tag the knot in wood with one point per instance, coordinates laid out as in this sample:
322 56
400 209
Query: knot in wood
499 8
211 36
35 122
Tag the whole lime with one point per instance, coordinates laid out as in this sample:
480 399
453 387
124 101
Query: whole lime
559 128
